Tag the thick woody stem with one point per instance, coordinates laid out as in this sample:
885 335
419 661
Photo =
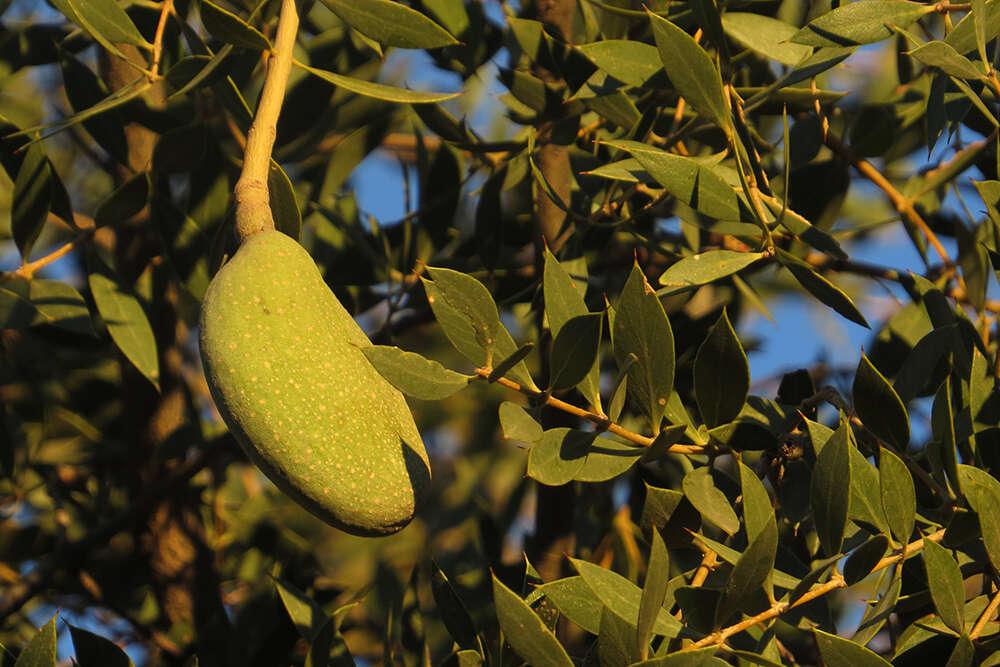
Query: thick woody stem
253 208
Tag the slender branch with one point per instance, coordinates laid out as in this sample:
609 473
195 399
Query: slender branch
28 269
599 420
819 591
166 8
253 209
902 204
985 617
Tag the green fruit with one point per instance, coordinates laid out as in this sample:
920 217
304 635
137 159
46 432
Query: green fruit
284 365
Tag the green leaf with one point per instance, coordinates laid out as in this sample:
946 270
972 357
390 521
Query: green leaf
60 305
124 202
31 199
943 56
866 499
574 350
805 230
701 657
563 301
757 509
469 318
820 287
945 582
752 570
899 497
963 654
941 450
767 36
876 616
105 21
700 490
616 641
840 652
860 23
622 597
96 651
691 71
186 243
391 23
982 491
517 424
864 558
576 601
654 592
41 650
125 319
628 61
525 631
964 36
691 182
830 492
229 28
379 91
707 267
559 455
879 406
721 374
413 374
505 364
984 396
641 328
454 613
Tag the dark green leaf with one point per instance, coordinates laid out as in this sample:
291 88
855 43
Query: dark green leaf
307 616
83 90
525 631
700 657
96 651
830 493
32 198
379 91
941 450
284 208
692 72
622 597
453 612
982 491
125 319
413 374
468 316
574 350
187 245
860 22
751 571
616 641
60 305
641 328
879 406
876 616
945 582
517 424
899 499
41 650
563 301
391 23
963 654
106 22
820 287
654 592
700 490
505 364
707 267
691 182
861 561
124 202
608 459
866 499
757 509
721 374
840 652
231 29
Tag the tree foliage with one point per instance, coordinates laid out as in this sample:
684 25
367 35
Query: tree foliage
565 301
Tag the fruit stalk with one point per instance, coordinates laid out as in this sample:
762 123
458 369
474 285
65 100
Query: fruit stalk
253 208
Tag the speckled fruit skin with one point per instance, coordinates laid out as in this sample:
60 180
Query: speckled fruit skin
283 362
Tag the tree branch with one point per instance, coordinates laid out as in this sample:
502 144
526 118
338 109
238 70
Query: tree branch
253 208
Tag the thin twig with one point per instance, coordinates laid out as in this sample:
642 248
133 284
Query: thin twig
253 209
599 420
985 617
166 8
833 584
28 269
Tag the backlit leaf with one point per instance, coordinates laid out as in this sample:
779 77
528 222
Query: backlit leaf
379 91
707 267
41 650
391 23
860 22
